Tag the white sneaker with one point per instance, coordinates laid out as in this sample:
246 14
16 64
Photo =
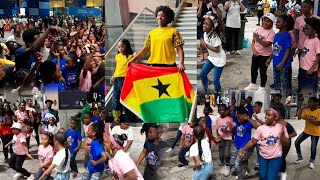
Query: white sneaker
311 165
298 161
251 87
261 90
16 176
187 154
226 171
222 170
169 150
31 177
238 52
283 176
228 53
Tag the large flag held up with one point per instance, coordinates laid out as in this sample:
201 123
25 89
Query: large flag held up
157 94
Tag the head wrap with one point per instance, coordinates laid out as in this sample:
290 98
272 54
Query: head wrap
115 144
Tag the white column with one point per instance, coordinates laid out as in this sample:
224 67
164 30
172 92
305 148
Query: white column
316 6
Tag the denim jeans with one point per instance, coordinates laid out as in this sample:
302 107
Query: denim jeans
280 79
91 176
116 105
204 172
39 174
269 168
181 154
217 71
314 143
62 176
237 162
73 163
307 81
288 112
224 151
178 136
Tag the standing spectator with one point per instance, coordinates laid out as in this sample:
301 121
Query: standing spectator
233 24
201 11
288 106
16 37
273 6
2 23
260 11
6 135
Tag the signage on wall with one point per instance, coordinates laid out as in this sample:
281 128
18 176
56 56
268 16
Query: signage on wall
76 11
71 3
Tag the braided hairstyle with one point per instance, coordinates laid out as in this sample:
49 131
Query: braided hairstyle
98 128
198 132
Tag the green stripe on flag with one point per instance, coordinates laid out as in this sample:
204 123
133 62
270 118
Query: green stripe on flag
166 110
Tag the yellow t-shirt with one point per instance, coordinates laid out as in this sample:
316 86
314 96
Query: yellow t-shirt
4 62
310 128
162 43
121 65
266 6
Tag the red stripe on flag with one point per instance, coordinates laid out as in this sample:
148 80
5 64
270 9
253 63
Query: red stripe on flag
187 85
140 71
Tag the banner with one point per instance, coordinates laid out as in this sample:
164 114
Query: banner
94 3
72 3
76 11
57 3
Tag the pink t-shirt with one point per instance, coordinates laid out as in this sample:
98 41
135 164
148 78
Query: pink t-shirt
85 83
187 131
121 164
265 35
299 25
269 136
309 52
45 153
85 128
224 124
17 147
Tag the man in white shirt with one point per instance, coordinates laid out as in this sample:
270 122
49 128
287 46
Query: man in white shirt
16 37
2 23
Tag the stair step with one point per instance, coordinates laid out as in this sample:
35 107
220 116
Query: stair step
195 8
179 24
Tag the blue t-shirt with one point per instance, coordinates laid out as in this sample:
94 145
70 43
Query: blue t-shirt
281 42
23 62
62 63
154 154
71 78
73 136
242 133
209 123
95 118
52 87
95 154
249 109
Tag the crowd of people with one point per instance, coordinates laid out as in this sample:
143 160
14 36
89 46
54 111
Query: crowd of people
67 54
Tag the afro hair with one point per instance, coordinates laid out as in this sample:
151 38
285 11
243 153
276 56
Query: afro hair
166 10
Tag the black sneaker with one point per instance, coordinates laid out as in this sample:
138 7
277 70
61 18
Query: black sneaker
257 167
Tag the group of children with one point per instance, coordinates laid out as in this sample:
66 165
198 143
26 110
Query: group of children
244 128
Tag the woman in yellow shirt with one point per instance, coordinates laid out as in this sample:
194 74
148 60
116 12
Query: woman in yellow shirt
312 117
162 42
124 55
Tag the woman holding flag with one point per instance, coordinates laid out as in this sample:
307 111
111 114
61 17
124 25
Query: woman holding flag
162 42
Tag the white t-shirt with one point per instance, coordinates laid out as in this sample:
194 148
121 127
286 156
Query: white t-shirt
206 151
129 132
46 52
52 129
15 39
58 160
262 117
217 59
233 15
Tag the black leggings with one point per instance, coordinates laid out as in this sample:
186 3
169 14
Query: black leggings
36 129
5 140
16 163
259 62
285 151
232 35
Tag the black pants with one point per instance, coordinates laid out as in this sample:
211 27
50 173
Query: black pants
232 35
36 129
5 140
290 78
259 63
16 163
2 32
28 141
285 151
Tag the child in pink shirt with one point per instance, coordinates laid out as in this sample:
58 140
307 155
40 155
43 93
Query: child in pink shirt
224 128
308 78
272 137
262 49
20 152
185 143
86 124
45 155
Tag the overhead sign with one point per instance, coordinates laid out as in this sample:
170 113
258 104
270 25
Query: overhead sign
71 3
76 11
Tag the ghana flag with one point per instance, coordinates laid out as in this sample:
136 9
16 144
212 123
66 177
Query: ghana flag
157 94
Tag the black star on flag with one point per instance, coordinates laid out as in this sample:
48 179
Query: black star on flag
162 88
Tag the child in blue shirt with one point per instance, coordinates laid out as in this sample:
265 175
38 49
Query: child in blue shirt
281 53
249 106
96 114
242 135
206 111
74 140
69 73
97 154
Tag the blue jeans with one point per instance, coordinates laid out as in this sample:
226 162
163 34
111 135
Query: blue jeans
269 168
91 176
181 154
62 176
307 81
204 172
73 163
217 71
178 136
280 79
237 162
39 174
314 142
